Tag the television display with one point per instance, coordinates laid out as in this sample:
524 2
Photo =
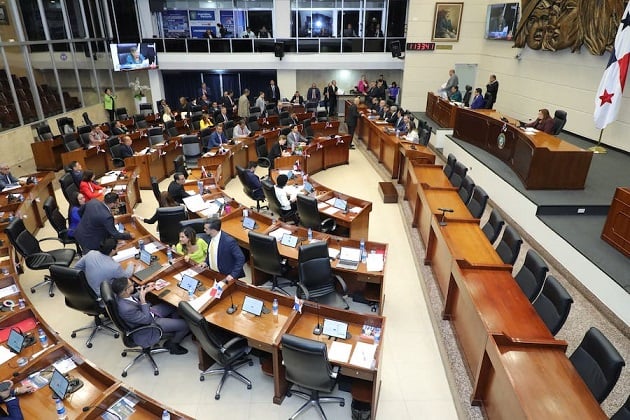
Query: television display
136 56
501 21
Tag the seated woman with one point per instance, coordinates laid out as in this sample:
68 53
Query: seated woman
205 121
544 122
88 187
297 99
167 114
97 136
77 200
287 203
191 247
241 130
165 201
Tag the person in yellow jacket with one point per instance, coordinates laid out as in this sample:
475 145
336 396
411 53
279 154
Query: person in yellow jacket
108 103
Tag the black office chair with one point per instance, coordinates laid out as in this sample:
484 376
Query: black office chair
311 251
156 136
228 124
84 139
598 362
553 304
58 222
256 194
66 182
274 204
284 114
117 160
112 141
623 413
146 109
80 296
450 165
84 129
531 276
254 112
284 121
87 119
168 223
477 203
488 100
180 165
466 189
458 174
253 126
71 142
28 247
425 136
318 283
111 306
155 186
310 217
270 109
265 257
322 116
44 133
65 125
467 95
559 120
306 364
197 225
191 148
227 350
262 153
140 122
204 138
121 113
492 228
509 245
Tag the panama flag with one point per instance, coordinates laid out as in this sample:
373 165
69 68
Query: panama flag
610 90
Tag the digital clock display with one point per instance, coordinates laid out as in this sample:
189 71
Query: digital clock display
420 46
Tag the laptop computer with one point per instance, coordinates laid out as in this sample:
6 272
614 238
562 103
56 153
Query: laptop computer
15 341
59 384
153 266
188 283
253 306
289 240
349 258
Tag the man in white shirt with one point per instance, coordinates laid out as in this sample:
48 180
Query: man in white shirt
287 203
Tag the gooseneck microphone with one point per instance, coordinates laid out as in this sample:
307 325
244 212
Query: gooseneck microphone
318 328
232 307
443 218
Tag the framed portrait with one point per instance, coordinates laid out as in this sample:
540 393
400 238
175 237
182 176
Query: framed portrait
4 16
447 22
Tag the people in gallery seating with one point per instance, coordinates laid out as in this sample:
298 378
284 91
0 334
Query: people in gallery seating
477 102
543 122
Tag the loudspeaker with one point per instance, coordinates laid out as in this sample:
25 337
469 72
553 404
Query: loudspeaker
395 49
278 49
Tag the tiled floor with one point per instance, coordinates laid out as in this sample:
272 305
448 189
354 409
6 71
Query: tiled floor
414 383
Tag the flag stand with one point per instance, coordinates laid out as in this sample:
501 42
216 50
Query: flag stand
598 148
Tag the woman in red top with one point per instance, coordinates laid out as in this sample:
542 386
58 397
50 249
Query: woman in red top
89 188
544 122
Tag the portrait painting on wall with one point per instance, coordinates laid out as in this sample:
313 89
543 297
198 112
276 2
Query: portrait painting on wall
447 22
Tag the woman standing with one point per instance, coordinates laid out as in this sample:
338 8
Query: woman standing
108 103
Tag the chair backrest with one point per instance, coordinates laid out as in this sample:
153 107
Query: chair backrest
308 212
553 304
86 119
112 141
509 245
155 186
316 276
467 95
156 139
306 363
270 195
121 113
76 289
191 146
247 189
117 155
111 307
66 181
44 132
559 120
70 142
146 109
53 214
466 189
65 124
155 131
598 362
623 413
84 129
425 136
168 219
493 226
261 147
197 225
264 253
478 201
487 98
21 239
531 276
458 174
180 165
283 114
450 165
85 139
253 126
310 251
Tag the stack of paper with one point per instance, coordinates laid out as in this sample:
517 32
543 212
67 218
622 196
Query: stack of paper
339 352
279 232
375 262
195 203
108 178
363 355
125 254
8 291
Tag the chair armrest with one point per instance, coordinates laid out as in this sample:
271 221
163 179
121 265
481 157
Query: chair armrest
304 290
324 224
342 283
48 259
50 239
264 162
335 372
230 344
144 327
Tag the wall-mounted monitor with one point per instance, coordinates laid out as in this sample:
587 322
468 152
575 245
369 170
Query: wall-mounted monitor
136 56
501 21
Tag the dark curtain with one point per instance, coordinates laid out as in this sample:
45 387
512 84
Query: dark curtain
256 81
213 84
177 84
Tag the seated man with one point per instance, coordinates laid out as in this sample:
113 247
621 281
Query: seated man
76 170
176 188
297 99
224 254
125 147
478 101
217 138
455 95
99 266
253 182
277 149
119 128
136 312
6 177
287 203
241 130
295 137
294 119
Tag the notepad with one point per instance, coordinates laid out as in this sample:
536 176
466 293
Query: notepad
339 352
125 254
195 203
375 262
363 355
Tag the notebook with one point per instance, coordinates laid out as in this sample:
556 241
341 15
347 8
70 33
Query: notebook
349 258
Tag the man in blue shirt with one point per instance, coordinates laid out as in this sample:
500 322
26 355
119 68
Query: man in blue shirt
8 397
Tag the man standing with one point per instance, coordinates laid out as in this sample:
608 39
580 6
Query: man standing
313 95
243 104
176 188
273 92
224 254
97 223
353 118
99 266
203 90
260 102
453 80
331 94
492 88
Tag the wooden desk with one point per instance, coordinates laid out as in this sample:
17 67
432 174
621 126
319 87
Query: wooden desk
325 128
440 110
96 159
617 228
149 164
411 152
427 176
31 208
322 153
431 200
127 187
383 145
540 160
530 380
47 154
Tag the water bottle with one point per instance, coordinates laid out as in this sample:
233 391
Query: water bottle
166 415
169 255
35 180
310 234
43 339
61 409
200 186
377 336
191 295
121 227
245 213
11 217
21 303
274 307
362 249
141 245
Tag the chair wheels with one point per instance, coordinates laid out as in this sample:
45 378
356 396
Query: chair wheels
289 394
342 404
124 374
250 363
73 335
32 290
202 378
249 386
116 335
156 372
51 294
89 345
123 354
216 397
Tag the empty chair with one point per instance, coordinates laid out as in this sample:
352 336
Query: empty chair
318 283
180 165
65 125
492 228
71 142
274 204
488 100
156 136
121 113
623 413
86 119
252 192
67 182
322 116
140 121
146 109
254 111
168 219
466 189
306 363
261 153
155 186
80 296
313 250
227 350
283 114
266 258
559 120
310 217
204 137
112 141
598 362
270 109
450 165
553 304
467 95
458 174
253 126
44 132
191 148
425 136
477 203
532 275
509 245
58 222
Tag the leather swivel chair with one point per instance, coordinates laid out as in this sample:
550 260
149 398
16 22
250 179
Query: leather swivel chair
466 189
155 186
458 174
559 120
310 251
180 165
197 225
598 362
191 148
44 133
168 219
65 124
553 304
318 283
140 122
121 113
254 111
509 245
253 125
266 258
531 276
229 351
492 228
309 215
68 186
146 109
28 247
112 141
623 413
111 306
80 296
467 95
204 138
306 363
274 204
262 153
116 154
477 203
450 164
58 223
256 194
322 116
156 136
71 142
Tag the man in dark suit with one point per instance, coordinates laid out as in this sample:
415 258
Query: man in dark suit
313 95
125 147
76 170
228 102
203 90
273 92
253 182
176 188
276 149
223 116
136 312
119 128
224 254
218 137
6 178
492 88
97 223
352 118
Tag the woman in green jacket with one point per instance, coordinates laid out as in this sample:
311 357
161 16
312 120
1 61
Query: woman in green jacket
108 103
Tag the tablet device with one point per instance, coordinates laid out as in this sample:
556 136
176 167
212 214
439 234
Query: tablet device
59 384
289 240
340 204
253 306
290 175
145 257
334 328
308 187
189 284
15 341
249 223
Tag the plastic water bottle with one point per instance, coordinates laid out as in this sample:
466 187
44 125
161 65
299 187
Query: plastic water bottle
35 180
274 307
377 336
191 295
121 227
397 133
141 245
310 234
200 186
61 409
245 213
166 415
43 339
169 255
362 249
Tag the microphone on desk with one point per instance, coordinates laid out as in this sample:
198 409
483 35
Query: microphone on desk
105 410
232 307
318 328
443 218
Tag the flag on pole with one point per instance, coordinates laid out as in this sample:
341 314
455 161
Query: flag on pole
297 304
611 87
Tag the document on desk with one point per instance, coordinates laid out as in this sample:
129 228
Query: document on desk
363 355
331 202
6 354
330 211
355 209
278 233
187 272
195 203
339 352
65 365
321 205
125 254
8 291
153 247
375 262
200 303
105 179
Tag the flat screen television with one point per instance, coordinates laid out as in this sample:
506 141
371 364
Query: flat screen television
134 56
501 21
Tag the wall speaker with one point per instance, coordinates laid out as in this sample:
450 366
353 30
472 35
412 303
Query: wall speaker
278 49
395 49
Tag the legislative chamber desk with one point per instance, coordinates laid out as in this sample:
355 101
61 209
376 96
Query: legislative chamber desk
440 110
617 228
126 186
96 159
47 153
540 160
31 209
412 153
321 153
